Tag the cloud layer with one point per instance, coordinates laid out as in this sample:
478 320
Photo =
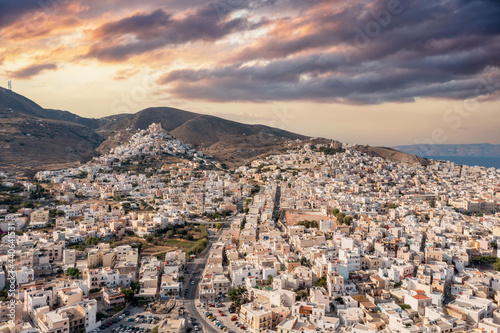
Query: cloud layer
356 52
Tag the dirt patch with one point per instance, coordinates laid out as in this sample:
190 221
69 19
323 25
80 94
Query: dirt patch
155 250
291 218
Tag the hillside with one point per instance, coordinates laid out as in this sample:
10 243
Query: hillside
392 154
11 102
228 141
476 149
31 143
32 138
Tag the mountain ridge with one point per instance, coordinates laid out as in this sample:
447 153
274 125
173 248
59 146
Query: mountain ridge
34 138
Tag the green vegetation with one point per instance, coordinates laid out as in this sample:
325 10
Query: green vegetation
217 216
483 260
236 296
309 224
391 205
92 241
129 294
405 306
73 271
344 219
301 295
330 151
56 213
255 190
321 282
305 262
100 316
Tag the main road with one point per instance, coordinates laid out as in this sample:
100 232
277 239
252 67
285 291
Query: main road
193 266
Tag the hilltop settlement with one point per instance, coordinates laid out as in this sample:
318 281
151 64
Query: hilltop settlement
316 238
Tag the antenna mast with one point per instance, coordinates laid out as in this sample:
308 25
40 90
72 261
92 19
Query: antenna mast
9 85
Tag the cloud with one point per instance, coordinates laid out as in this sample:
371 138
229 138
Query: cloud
124 74
13 10
326 77
360 53
32 70
144 32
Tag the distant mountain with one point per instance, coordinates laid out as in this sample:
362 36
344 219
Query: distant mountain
14 103
476 149
34 138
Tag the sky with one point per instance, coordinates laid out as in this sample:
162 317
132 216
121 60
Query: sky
378 72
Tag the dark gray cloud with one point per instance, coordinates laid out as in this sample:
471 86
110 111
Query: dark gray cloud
328 77
12 10
32 70
388 51
159 29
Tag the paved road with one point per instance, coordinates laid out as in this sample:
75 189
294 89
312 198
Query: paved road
198 264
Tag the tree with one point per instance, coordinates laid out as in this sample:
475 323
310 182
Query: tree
309 224
432 203
129 294
270 279
335 211
305 262
496 266
73 271
53 212
135 286
300 295
92 241
321 282
348 220
405 306
218 226
100 316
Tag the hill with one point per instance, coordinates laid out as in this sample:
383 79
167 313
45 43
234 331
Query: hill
34 138
228 141
392 154
12 102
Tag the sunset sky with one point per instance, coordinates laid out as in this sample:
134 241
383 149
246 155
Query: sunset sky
382 72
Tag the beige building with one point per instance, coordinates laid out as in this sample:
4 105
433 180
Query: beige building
11 327
172 326
256 317
113 298
69 257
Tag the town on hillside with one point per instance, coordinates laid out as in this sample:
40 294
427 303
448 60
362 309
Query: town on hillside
155 236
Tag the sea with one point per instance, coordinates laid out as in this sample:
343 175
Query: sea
485 161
